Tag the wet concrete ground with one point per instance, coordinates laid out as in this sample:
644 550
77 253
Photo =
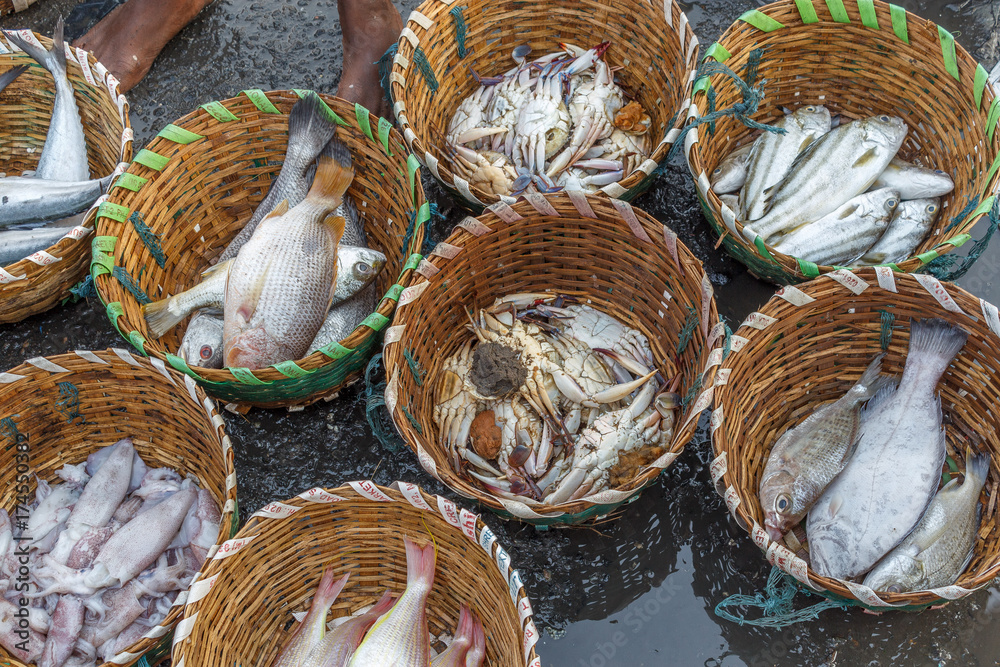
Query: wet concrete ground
639 590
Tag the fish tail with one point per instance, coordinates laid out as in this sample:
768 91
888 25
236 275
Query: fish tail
162 316
869 381
309 129
54 60
977 469
8 77
383 605
328 590
936 337
466 624
333 177
419 564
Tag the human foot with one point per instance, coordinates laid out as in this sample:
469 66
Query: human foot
370 27
129 39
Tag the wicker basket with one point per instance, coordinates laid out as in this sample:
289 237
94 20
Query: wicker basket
858 59
808 346
271 569
190 192
630 265
60 409
39 282
12 6
441 42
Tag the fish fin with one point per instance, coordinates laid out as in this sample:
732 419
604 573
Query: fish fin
936 337
835 504
977 468
310 128
249 300
420 563
280 209
8 77
848 212
54 60
161 316
331 182
865 158
872 372
336 225
884 393
221 266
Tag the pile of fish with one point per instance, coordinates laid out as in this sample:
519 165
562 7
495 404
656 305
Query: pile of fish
558 122
100 558
552 401
835 196
39 208
298 276
866 480
391 632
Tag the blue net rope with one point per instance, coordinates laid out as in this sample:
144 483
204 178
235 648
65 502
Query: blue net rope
460 30
149 238
776 604
375 414
951 267
129 283
384 69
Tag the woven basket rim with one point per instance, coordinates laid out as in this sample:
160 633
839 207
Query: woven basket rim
211 377
365 491
421 24
945 297
498 218
25 273
730 42
71 363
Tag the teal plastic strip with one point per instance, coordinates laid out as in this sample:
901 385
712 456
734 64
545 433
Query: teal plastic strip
291 369
246 376
984 207
719 52
837 11
335 350
948 52
423 213
154 161
808 269
114 310
384 128
807 11
868 17
179 135
412 167
130 182
762 249
101 261
394 292
992 117
138 340
260 100
114 211
761 21
330 113
219 112
898 15
375 321
979 84
363 120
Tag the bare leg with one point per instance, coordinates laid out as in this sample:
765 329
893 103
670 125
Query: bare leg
129 39
370 27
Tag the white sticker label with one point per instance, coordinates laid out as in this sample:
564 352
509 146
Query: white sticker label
717 419
503 561
29 37
722 377
732 500
849 280
446 250
370 491
540 204
737 343
699 406
486 540
579 200
412 292
758 321
230 547
717 332
504 212
794 296
201 588
276 510
426 269
760 537
866 595
318 495
42 258
628 215
718 467
9 277
937 290
81 57
394 333
530 639
468 521
886 280
448 511
706 302
77 232
523 609
670 238
951 592
474 226
413 496
714 358
392 393
992 316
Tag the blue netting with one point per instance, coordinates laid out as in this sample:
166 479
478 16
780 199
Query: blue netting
776 603
952 267
885 335
149 239
129 283
375 413
384 69
460 30
687 331
693 392
425 68
83 290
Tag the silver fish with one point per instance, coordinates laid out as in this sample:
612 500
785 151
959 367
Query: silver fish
913 182
882 492
909 226
8 77
64 155
837 167
345 318
32 199
941 546
16 244
773 154
840 237
805 459
201 346
731 173
732 201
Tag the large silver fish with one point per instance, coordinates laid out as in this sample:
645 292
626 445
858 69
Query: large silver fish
16 244
837 167
882 492
909 226
913 182
805 459
941 546
773 154
280 285
64 154
345 318
731 173
842 236
32 199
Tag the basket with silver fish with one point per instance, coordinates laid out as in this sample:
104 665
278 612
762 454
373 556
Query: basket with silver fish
558 106
119 484
546 372
64 131
845 410
363 534
872 165
260 244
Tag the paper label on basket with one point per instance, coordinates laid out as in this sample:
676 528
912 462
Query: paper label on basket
628 215
503 561
468 521
706 302
703 402
370 491
515 585
714 358
391 393
760 537
29 37
413 496
530 638
849 280
670 238
486 540
446 250
798 569
778 555
318 495
951 592
581 204
537 662
201 588
426 460
732 500
9 277
426 269
504 212
992 316
866 595
474 226
718 467
394 333
70 56
540 204
717 419
230 547
448 511
886 280
737 343
276 510
937 290
717 332
42 258
523 609
794 296
81 57
112 83
127 135
77 233
412 292
722 377
758 321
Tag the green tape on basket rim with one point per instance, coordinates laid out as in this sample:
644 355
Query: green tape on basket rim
992 117
129 181
762 249
928 256
898 16
948 52
331 114
957 241
334 350
761 21
412 262
837 11
376 321
101 261
104 243
259 99
989 174
979 84
719 52
219 112
700 86
806 11
868 17
384 128
364 121
138 340
246 376
114 310
179 364
808 269
892 265
423 213
116 212
984 207
291 369
179 135
412 167
394 292
148 158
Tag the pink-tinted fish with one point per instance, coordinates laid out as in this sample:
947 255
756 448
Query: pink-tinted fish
336 649
313 627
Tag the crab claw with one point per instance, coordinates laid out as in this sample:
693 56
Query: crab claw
588 58
566 488
544 184
485 80
602 165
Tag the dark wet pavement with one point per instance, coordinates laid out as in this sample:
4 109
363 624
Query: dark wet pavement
638 590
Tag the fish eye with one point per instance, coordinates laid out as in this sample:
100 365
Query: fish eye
884 118
938 171
810 108
782 503
895 588
931 208
891 203
206 352
718 170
